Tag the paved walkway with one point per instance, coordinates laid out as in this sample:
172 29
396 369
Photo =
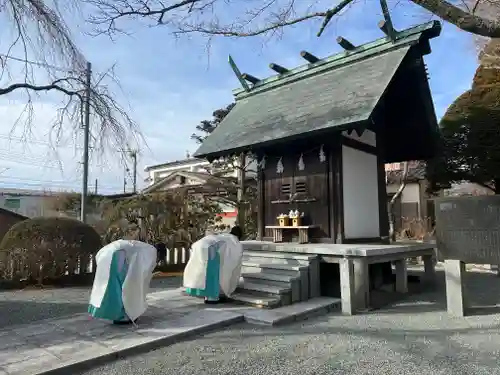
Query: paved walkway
69 344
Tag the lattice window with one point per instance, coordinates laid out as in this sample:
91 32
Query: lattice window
286 189
300 187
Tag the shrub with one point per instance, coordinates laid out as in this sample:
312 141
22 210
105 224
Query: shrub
47 248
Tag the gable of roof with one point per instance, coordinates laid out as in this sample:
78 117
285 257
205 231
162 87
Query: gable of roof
174 163
200 177
335 93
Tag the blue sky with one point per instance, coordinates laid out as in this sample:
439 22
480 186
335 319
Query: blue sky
172 84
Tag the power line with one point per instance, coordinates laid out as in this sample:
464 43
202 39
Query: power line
36 180
27 163
37 63
19 185
36 141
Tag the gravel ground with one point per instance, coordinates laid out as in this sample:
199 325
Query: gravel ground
414 336
31 305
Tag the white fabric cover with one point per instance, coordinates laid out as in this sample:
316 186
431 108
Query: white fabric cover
141 260
231 254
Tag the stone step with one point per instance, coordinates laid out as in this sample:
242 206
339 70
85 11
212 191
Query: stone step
270 271
278 255
293 284
269 276
257 299
278 266
264 288
277 271
272 260
296 312
279 284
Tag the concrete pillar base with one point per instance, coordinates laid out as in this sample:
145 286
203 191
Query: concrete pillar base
456 301
347 286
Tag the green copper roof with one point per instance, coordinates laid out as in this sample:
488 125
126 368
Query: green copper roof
334 92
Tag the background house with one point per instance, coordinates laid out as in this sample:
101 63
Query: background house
413 202
160 171
29 203
39 203
199 177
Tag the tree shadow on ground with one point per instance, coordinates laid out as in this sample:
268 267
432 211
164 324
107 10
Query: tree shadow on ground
481 289
33 305
160 284
24 312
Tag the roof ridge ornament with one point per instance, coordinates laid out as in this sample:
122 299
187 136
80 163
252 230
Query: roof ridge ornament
238 74
386 26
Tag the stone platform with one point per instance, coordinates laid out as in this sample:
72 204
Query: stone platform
353 260
68 345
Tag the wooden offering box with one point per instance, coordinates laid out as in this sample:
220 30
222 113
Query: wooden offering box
284 221
296 221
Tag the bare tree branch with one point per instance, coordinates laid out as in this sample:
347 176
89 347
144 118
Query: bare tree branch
206 16
53 86
262 17
43 50
461 18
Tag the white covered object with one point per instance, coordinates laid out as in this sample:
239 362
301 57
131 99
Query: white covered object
230 253
141 260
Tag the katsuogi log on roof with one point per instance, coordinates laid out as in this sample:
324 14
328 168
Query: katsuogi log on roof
381 85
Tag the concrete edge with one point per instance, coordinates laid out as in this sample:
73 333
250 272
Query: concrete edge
276 317
141 348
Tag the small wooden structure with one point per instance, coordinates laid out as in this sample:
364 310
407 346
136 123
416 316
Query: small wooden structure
302 230
322 133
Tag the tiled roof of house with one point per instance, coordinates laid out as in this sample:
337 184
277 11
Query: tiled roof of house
4 211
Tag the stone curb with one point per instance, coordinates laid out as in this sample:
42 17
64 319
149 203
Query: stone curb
223 320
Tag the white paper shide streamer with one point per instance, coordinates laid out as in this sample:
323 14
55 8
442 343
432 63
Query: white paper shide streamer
262 162
301 164
322 156
279 167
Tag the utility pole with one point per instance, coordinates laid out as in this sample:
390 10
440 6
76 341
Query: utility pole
133 155
95 187
86 133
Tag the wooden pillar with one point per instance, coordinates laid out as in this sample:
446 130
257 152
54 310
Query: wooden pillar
336 191
241 192
260 204
382 190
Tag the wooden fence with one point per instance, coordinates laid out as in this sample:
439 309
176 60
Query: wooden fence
16 269
177 257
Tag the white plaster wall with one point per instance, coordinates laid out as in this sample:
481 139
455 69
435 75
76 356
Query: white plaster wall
411 192
360 189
